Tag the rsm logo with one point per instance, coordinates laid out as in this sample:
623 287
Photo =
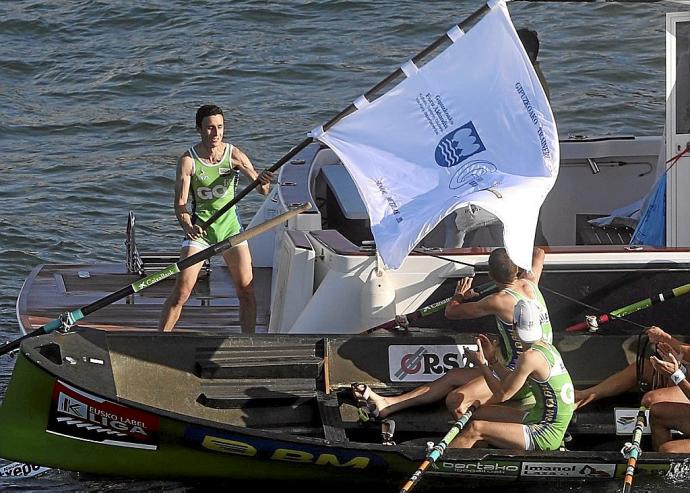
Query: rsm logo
422 363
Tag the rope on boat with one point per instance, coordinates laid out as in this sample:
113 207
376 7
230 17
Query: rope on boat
592 322
582 303
640 361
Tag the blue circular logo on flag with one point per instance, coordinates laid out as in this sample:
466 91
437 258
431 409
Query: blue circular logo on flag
458 145
472 174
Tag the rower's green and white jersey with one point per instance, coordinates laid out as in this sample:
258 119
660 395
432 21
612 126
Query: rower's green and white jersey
213 186
512 345
548 420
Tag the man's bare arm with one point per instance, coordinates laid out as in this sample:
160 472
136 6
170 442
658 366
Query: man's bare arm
504 389
183 180
537 266
245 166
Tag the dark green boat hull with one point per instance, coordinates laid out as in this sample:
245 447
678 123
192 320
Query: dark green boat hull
181 448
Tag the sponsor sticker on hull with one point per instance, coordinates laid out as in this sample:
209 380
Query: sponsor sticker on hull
21 470
83 416
584 470
478 468
425 363
279 450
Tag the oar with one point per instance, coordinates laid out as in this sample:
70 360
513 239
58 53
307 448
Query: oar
634 452
481 290
69 318
633 307
438 450
369 95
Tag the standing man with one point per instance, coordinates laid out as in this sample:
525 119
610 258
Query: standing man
530 41
207 174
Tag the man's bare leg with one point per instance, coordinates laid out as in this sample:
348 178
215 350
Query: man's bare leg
667 416
424 394
239 262
184 283
499 426
476 392
664 394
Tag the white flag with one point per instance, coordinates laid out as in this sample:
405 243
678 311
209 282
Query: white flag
471 126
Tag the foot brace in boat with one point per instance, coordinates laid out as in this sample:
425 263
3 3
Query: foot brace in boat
366 411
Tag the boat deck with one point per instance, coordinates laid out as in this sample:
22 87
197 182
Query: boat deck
53 289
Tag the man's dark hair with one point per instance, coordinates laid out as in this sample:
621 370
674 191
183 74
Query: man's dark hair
501 268
530 40
207 110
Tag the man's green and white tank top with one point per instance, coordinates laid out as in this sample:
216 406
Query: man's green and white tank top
213 186
512 345
555 401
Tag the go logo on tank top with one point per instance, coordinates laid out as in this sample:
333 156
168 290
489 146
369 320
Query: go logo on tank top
208 193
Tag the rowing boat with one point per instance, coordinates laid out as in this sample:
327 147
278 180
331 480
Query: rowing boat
265 406
113 396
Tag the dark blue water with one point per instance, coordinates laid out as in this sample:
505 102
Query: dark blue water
97 100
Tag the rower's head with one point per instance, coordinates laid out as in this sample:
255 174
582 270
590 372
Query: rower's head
206 111
501 268
530 40
527 321
210 123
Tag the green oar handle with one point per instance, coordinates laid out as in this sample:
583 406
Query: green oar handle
681 290
76 315
634 307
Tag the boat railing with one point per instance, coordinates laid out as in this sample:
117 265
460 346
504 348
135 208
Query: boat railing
149 262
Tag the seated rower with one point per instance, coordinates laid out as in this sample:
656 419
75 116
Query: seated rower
541 367
667 416
461 387
626 379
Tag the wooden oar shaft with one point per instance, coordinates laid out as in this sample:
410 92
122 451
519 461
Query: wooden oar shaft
635 450
438 450
634 307
78 314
